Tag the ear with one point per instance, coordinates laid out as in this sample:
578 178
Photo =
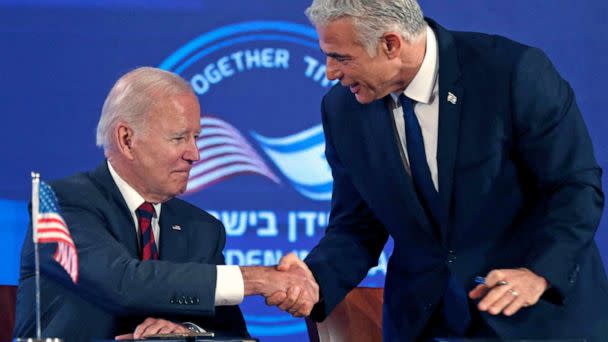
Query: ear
123 136
391 44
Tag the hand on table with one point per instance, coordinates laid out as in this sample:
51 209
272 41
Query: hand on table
152 326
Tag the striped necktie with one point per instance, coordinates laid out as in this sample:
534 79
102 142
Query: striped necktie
144 213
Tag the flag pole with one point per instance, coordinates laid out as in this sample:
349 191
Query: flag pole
35 213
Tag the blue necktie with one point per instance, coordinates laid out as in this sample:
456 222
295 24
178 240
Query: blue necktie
421 174
455 305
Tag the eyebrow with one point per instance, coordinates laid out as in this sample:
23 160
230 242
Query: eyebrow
181 133
336 55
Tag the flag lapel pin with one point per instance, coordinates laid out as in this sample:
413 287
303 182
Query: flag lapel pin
452 98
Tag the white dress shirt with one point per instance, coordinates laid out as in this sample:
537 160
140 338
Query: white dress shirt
423 89
229 286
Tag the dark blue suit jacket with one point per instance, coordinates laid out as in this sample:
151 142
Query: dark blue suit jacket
115 290
518 182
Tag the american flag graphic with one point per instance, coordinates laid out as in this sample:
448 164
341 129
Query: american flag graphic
224 153
52 228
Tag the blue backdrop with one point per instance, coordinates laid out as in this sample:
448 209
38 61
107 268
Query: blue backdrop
259 75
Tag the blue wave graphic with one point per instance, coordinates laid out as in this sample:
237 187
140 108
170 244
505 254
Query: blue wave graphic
274 325
224 44
301 159
293 329
172 62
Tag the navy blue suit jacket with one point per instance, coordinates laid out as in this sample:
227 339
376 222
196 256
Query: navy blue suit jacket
115 290
518 183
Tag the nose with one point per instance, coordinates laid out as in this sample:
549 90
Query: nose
332 71
192 154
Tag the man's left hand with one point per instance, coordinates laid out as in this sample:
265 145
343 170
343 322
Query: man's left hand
153 326
508 290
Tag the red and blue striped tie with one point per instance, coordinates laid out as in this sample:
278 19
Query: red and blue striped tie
144 213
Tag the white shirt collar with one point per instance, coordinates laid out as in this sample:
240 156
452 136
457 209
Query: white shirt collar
421 87
131 196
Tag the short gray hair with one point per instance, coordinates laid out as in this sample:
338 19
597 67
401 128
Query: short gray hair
371 18
131 98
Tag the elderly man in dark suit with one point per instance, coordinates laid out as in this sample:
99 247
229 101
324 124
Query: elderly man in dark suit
142 252
470 152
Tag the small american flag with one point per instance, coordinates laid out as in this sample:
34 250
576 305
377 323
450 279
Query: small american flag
224 153
51 228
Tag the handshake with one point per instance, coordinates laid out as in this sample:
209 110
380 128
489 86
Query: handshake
290 285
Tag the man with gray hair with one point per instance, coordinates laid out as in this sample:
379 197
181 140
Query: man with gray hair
470 152
149 262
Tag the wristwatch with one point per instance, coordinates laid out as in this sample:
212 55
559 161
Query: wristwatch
193 327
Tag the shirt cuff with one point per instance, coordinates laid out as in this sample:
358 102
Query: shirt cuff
229 287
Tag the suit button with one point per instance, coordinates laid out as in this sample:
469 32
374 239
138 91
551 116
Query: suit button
451 258
190 300
573 275
180 301
172 300
428 307
196 301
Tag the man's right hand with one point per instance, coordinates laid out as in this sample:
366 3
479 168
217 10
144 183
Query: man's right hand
302 307
292 289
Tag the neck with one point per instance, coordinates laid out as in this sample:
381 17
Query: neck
411 61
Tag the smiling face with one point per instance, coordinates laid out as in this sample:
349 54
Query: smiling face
163 154
369 78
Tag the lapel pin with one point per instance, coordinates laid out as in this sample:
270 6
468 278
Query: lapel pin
452 98
176 227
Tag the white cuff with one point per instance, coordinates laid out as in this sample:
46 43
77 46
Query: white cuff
229 286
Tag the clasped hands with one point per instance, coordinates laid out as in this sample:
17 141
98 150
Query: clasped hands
290 286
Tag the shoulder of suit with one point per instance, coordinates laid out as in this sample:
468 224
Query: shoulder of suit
77 187
340 96
493 51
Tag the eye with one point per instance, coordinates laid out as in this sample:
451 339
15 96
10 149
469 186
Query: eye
178 139
341 59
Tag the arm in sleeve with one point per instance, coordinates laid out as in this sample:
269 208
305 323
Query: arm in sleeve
113 279
555 149
353 240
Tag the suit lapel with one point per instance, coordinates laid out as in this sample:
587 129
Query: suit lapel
450 104
385 150
173 235
125 232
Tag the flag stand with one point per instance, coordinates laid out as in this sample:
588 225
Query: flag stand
35 213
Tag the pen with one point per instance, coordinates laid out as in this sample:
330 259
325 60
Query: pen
482 280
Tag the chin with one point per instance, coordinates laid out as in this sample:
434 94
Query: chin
364 99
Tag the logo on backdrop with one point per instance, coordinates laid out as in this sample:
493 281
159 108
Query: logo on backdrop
222 56
260 84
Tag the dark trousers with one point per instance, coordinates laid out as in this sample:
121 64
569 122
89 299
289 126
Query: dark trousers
437 326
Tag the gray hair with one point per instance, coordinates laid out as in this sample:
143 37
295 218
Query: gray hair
372 18
132 97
